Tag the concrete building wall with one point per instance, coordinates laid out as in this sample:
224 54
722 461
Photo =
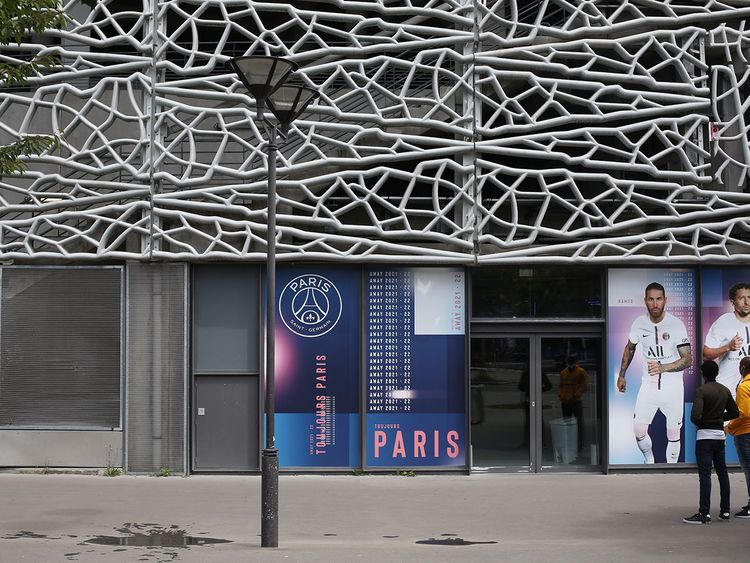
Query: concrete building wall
61 448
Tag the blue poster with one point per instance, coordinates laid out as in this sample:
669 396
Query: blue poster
415 361
317 366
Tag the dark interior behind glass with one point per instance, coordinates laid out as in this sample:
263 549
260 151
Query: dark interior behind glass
537 292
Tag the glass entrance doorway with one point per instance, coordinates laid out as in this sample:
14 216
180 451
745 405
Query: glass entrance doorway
536 402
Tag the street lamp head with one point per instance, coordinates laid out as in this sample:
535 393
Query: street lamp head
288 102
262 75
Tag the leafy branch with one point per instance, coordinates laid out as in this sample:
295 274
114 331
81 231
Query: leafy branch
10 155
19 18
17 74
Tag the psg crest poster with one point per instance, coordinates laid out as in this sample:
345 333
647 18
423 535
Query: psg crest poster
317 366
651 359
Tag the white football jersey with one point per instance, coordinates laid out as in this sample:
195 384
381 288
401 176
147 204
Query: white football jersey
721 332
659 342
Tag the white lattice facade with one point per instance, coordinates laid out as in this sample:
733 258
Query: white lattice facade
447 130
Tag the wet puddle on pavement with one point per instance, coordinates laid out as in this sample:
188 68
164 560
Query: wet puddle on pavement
451 539
153 535
31 535
160 541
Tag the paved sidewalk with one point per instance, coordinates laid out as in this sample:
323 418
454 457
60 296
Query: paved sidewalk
530 518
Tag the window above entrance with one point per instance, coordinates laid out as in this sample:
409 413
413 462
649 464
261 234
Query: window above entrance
537 292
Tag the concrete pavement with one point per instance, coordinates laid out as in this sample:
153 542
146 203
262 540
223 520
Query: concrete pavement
560 518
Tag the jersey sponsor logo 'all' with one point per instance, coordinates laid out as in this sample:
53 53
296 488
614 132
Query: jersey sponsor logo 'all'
310 305
655 351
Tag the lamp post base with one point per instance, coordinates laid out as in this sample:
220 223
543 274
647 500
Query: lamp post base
269 484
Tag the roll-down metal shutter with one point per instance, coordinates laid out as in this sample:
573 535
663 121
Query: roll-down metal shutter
60 330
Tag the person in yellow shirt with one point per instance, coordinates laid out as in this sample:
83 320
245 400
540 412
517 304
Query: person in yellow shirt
740 429
573 384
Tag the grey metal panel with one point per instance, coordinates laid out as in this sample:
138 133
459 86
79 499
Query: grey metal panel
124 371
226 423
226 319
186 376
156 367
60 358
535 395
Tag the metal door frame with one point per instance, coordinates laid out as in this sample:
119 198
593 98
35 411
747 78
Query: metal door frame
256 271
535 331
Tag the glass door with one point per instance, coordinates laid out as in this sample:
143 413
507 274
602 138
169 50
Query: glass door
570 426
500 406
535 402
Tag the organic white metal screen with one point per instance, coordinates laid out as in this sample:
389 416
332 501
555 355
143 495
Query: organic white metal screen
458 131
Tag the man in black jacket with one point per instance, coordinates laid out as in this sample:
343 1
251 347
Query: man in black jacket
713 405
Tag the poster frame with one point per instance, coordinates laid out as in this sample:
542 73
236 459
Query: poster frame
697 356
465 468
731 454
312 266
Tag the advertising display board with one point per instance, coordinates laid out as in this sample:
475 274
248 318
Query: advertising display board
317 366
415 365
651 339
725 306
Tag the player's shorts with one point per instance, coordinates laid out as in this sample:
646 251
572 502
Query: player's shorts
669 398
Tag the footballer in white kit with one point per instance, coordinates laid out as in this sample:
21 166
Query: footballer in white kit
665 347
728 339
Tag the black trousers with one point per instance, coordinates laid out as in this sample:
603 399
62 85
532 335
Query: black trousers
708 453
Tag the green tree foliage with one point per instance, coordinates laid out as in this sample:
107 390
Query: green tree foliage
10 155
18 18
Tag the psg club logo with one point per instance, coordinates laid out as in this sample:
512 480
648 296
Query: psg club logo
665 336
310 305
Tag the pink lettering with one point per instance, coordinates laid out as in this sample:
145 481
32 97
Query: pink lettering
452 449
380 441
420 439
398 448
442 444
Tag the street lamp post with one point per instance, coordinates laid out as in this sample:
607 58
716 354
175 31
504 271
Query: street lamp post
266 79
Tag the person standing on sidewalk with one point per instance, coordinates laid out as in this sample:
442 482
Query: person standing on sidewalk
712 406
740 429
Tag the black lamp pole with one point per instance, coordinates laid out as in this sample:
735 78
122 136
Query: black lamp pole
265 79
269 471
